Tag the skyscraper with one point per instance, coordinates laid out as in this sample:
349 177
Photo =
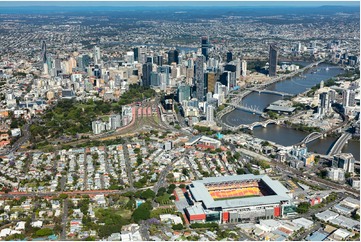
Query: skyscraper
147 69
165 70
324 105
136 53
210 113
211 81
244 68
43 52
346 161
205 46
159 60
173 56
273 57
96 55
44 58
348 98
183 93
229 56
199 78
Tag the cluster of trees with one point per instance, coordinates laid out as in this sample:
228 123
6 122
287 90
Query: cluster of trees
71 117
240 171
136 93
256 65
177 227
300 106
233 158
142 212
112 221
204 130
261 163
302 127
303 207
272 115
328 83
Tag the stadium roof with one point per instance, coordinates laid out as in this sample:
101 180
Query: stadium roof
200 192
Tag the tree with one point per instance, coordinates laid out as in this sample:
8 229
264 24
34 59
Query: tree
236 155
348 174
43 232
185 171
303 207
147 194
171 188
142 212
161 191
130 204
177 227
63 196
240 171
181 186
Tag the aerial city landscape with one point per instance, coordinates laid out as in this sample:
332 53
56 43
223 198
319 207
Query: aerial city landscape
165 121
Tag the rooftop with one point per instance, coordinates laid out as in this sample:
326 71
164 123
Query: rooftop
200 192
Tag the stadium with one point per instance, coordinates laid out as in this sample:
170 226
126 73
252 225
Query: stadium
238 198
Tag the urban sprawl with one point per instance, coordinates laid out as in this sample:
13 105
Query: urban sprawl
133 127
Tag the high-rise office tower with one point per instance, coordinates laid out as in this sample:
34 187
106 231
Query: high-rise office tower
332 96
130 57
86 60
238 68
199 78
324 104
147 69
346 161
210 113
96 55
43 52
205 47
229 57
159 60
230 67
150 59
173 56
273 57
136 53
244 68
154 79
183 92
44 58
211 81
348 98
209 96
165 70
228 78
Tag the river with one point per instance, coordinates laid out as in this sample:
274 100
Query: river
287 136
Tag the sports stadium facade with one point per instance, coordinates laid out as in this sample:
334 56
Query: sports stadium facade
232 199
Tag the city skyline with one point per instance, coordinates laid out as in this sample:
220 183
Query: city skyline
180 121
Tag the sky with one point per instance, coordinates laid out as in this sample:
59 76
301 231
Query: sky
178 3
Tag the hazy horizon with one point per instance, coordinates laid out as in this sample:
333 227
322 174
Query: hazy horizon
179 3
